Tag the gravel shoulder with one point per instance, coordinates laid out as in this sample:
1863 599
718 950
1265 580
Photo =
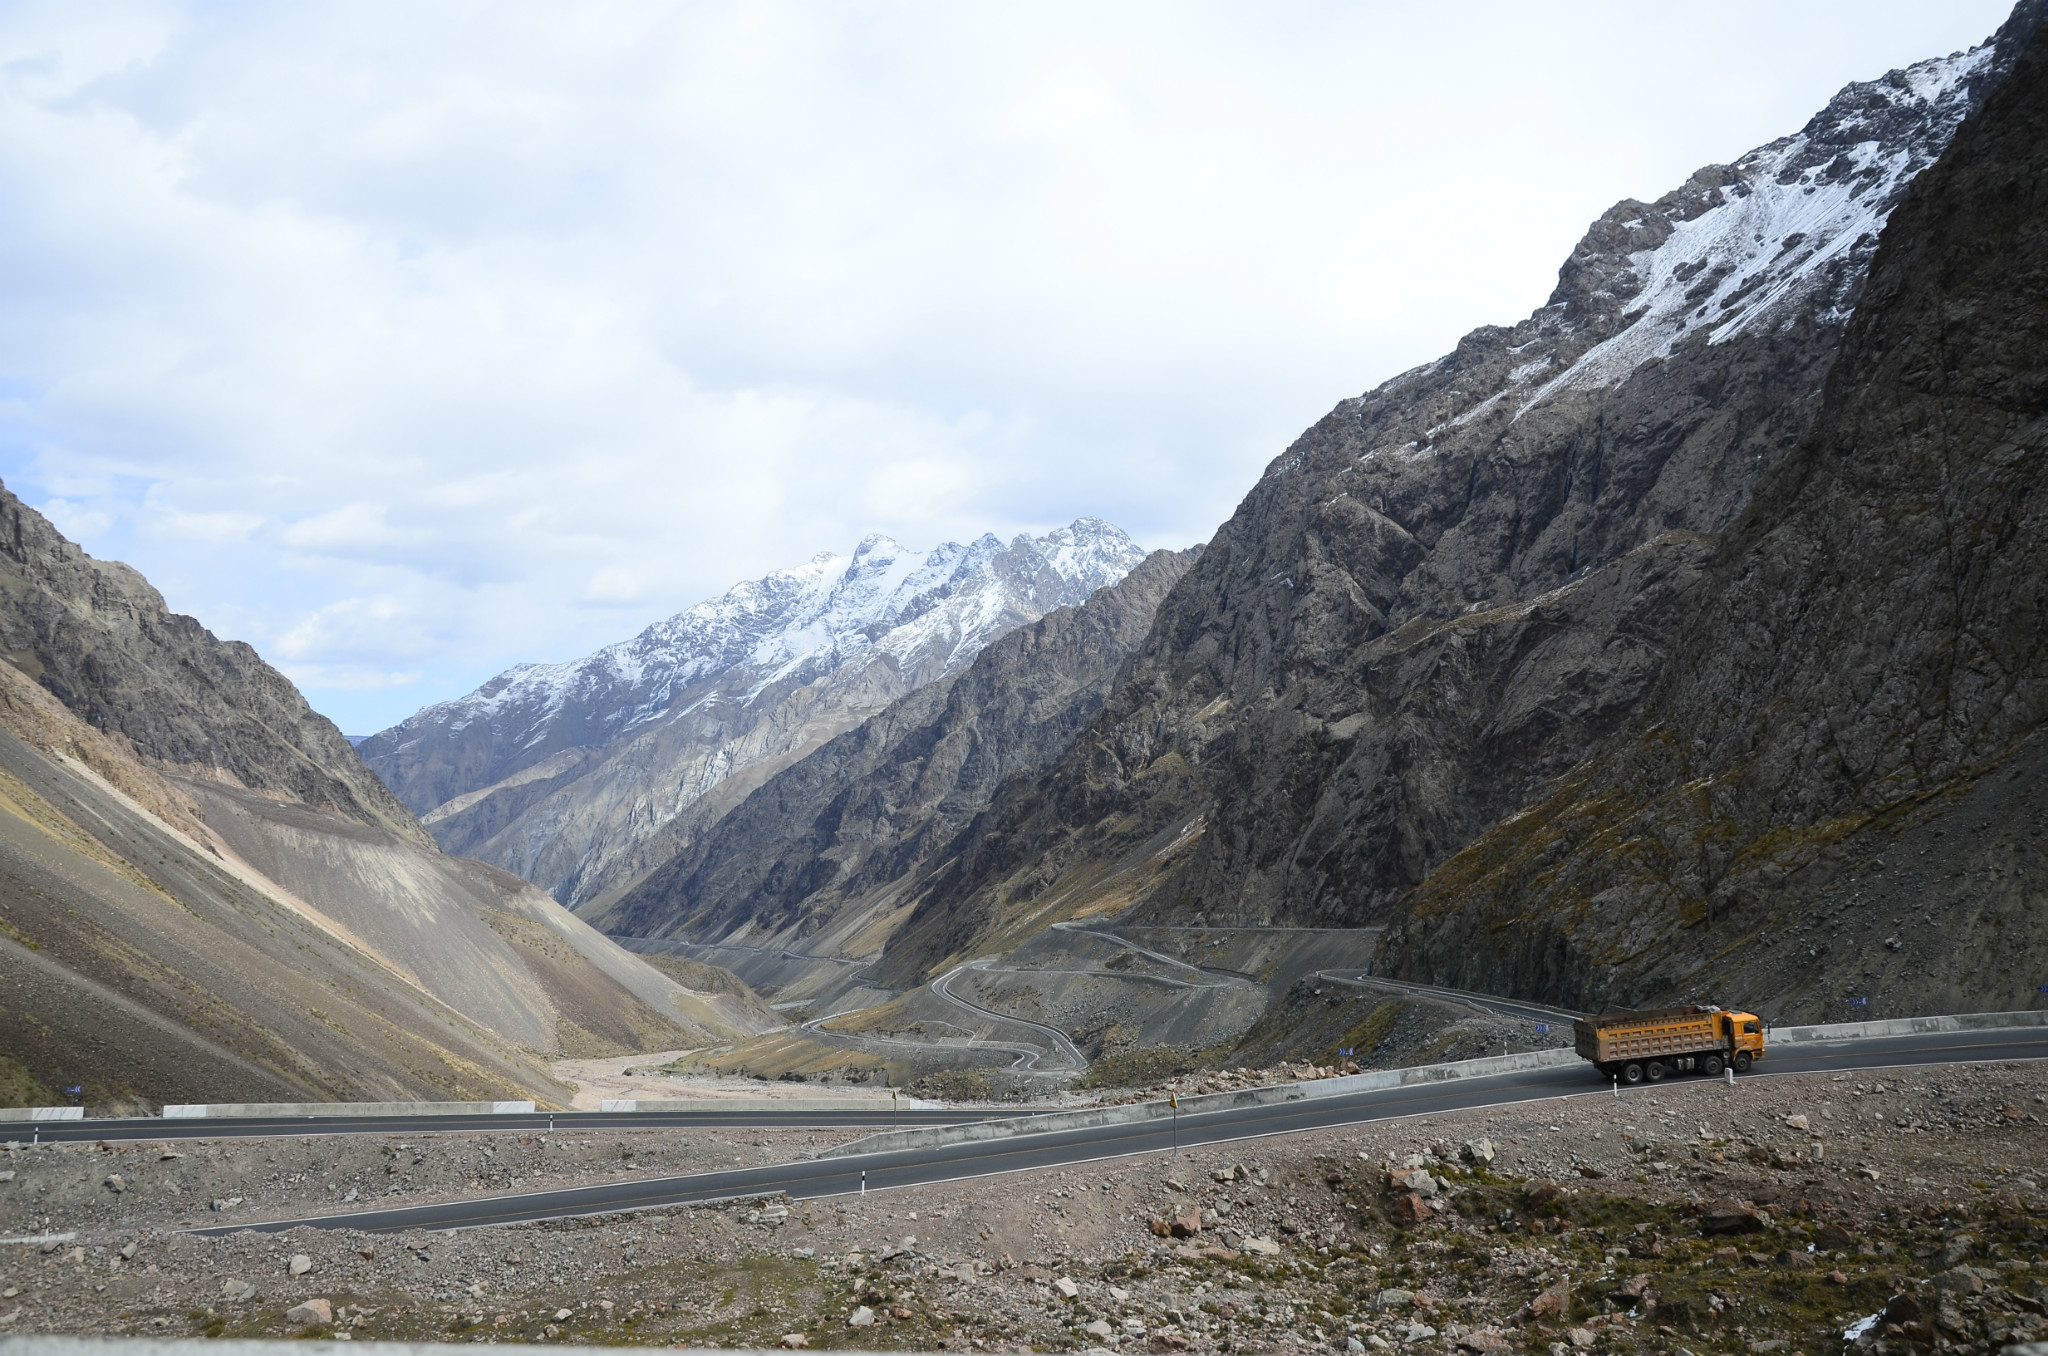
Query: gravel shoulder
1764 1218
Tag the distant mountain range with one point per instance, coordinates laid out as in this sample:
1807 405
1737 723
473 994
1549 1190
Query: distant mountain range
584 776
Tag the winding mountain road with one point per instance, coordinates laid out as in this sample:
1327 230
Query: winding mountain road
907 1167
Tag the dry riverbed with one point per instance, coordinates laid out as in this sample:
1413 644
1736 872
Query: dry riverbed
1763 1219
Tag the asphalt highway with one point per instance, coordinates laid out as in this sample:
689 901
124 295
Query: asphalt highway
879 1171
743 1114
1484 1002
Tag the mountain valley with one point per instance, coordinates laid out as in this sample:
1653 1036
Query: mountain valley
1451 602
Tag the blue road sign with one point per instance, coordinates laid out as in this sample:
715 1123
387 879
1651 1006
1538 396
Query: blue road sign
1859 1002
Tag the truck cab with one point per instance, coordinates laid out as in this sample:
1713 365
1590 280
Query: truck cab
1742 1033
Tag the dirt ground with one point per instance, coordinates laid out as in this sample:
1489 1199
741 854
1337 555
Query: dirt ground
598 1079
1767 1218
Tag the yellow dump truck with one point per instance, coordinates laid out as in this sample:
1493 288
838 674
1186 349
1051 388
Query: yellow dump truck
1639 1046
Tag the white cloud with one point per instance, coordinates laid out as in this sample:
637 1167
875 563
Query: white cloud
410 340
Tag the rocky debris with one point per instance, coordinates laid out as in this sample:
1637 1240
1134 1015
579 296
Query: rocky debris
1733 1217
990 1252
301 1264
416 1169
862 1317
309 1312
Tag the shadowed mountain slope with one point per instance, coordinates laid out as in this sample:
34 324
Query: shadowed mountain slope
100 640
1837 791
583 777
179 923
842 837
1450 591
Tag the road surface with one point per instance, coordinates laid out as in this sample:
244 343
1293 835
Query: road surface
1484 1002
752 1115
843 1176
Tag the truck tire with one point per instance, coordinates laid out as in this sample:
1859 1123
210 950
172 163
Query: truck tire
1655 1071
1741 1061
1631 1073
1711 1066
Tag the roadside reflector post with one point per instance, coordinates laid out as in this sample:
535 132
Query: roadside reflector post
1617 1086
863 1181
1728 1072
1173 1100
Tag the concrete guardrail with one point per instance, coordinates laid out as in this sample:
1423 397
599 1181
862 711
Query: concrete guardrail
42 1113
1906 1026
328 1110
761 1104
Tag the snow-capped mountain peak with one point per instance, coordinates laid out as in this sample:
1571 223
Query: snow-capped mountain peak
1785 232
924 613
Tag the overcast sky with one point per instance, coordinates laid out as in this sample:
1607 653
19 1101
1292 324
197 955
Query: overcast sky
409 341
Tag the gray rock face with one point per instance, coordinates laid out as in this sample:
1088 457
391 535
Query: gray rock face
1835 791
862 818
583 777
1451 590
96 635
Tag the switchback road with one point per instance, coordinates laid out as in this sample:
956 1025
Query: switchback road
843 1176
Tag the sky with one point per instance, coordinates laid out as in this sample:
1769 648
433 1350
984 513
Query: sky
409 341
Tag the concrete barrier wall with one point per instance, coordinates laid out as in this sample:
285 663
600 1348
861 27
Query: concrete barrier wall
329 1110
42 1113
756 1104
1906 1026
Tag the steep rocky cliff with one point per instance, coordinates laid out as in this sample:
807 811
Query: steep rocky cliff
1836 791
1451 590
582 777
842 837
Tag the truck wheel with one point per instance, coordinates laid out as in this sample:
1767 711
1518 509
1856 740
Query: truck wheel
1655 1071
1631 1073
1711 1066
1742 1061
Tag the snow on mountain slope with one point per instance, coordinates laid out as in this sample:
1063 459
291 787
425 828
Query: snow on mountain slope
556 770
1745 245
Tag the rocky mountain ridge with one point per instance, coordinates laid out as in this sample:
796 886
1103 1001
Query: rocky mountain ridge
99 638
1451 590
838 840
583 776
1833 797
205 895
